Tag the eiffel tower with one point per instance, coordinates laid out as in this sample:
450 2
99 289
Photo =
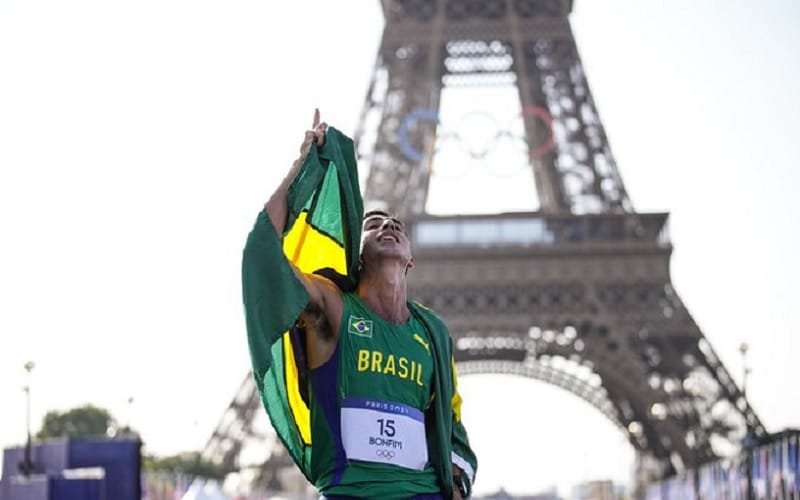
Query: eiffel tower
576 294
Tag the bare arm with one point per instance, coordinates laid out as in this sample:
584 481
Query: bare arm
324 295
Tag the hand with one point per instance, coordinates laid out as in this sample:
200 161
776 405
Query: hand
318 129
314 136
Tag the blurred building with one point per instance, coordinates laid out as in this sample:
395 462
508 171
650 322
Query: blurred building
502 494
598 490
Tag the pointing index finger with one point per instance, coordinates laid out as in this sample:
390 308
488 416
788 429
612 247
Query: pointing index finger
316 119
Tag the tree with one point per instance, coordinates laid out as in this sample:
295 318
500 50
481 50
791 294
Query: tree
189 463
83 421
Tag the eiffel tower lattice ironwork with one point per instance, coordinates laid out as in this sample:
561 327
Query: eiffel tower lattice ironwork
577 294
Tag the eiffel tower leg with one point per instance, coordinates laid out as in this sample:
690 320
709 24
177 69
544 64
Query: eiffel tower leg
683 394
531 95
234 427
411 74
243 443
579 175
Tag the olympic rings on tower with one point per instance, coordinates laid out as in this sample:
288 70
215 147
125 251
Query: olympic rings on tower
476 151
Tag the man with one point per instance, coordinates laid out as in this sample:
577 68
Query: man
361 388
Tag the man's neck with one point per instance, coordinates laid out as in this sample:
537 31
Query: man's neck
383 289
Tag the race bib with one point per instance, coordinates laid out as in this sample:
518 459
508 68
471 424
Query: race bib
385 432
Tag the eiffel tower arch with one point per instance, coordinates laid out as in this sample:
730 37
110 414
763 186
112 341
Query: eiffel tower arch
576 294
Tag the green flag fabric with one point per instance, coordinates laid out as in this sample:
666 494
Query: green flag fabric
323 232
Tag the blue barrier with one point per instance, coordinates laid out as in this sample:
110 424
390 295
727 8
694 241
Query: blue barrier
83 489
773 472
117 463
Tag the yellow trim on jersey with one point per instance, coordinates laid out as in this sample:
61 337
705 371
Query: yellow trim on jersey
456 401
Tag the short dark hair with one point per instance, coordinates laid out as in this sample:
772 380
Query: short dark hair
385 215
375 212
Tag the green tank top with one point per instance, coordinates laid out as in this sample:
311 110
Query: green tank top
368 409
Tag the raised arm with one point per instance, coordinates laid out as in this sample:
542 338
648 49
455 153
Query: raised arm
325 298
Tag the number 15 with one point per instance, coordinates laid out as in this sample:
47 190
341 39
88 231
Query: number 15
387 427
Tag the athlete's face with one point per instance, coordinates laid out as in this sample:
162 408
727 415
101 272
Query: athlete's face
385 237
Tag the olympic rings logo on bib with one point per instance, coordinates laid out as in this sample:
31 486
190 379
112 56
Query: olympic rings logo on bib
385 454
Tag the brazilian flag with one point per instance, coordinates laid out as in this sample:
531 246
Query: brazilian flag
322 235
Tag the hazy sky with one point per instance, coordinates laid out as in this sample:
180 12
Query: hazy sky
138 140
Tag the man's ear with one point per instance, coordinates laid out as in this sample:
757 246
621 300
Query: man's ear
410 264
